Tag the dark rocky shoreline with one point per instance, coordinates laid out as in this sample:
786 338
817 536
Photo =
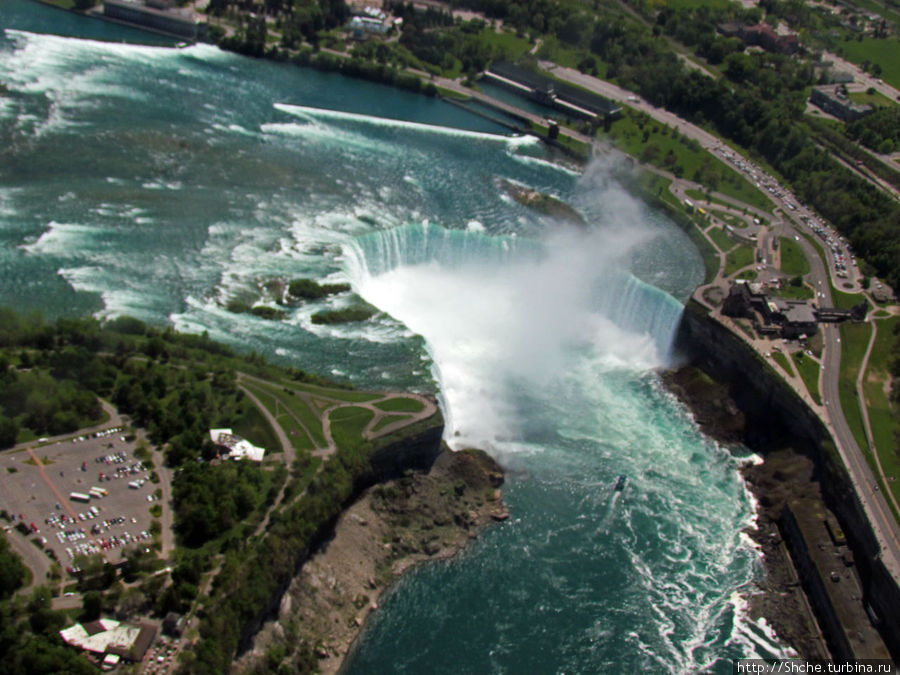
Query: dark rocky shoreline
784 474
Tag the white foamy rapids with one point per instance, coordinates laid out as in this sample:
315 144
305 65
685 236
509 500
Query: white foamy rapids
498 312
62 239
70 72
537 161
757 638
7 196
313 114
118 298
315 133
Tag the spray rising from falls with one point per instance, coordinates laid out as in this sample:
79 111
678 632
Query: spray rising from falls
502 314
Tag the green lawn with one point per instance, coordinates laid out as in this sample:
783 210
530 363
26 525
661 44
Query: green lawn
62 4
790 292
387 420
400 404
882 415
782 361
509 45
730 219
809 368
659 145
347 424
738 258
552 50
722 238
844 300
255 428
876 98
886 53
702 200
300 439
854 341
793 259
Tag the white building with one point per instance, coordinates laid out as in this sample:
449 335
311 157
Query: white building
237 447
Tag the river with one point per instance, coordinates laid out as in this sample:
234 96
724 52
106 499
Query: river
163 183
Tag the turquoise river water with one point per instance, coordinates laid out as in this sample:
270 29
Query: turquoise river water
162 182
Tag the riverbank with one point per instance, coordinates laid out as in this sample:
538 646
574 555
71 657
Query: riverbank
391 528
784 474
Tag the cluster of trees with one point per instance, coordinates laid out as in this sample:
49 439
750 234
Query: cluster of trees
210 500
292 534
443 48
346 315
30 642
879 131
12 571
307 289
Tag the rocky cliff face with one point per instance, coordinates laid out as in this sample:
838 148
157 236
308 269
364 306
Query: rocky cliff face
775 418
413 448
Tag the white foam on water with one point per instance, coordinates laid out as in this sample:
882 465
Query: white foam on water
163 185
7 199
318 134
312 113
62 239
537 161
486 321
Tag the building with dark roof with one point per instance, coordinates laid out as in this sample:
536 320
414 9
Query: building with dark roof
568 99
835 100
179 23
820 553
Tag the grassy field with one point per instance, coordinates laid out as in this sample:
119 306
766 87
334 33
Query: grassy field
844 300
854 341
509 45
882 416
793 260
400 405
886 53
722 238
652 142
299 437
730 219
701 199
552 50
256 429
386 421
782 361
347 424
738 258
876 98
809 369
62 4
790 292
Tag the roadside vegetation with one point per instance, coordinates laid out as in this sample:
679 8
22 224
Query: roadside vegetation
793 259
177 387
881 399
809 369
854 341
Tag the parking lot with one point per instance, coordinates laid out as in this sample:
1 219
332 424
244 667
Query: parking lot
91 495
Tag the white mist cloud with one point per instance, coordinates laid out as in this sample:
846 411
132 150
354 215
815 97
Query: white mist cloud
496 326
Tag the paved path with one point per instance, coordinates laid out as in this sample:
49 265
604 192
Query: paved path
33 558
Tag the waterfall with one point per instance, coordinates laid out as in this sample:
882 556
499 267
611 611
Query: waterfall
587 278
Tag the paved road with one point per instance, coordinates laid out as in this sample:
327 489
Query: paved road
32 557
883 522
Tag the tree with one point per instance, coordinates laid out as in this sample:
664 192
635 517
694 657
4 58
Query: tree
12 571
91 606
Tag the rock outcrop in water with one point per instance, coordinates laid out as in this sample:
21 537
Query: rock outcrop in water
393 526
